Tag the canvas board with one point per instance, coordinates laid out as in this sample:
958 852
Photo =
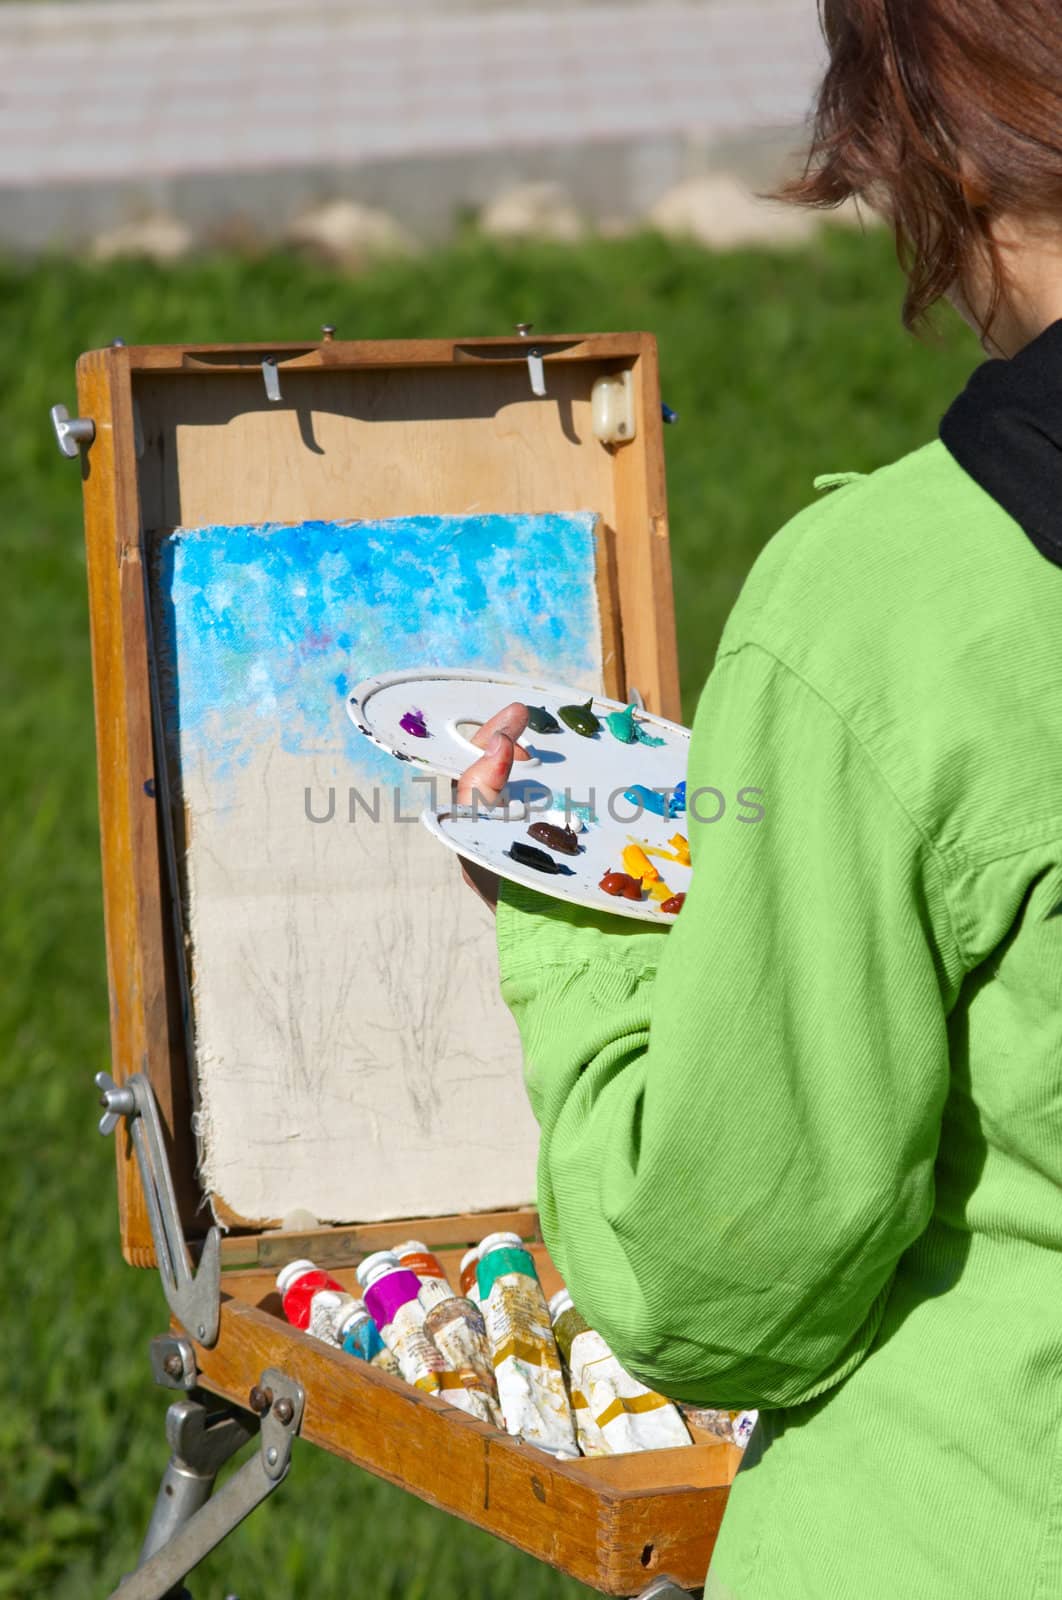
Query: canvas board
352 1056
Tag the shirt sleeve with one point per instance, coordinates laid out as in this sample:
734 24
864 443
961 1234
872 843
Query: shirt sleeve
740 1115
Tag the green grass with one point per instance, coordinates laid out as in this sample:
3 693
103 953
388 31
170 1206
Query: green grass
781 366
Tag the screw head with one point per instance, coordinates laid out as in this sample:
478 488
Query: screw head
260 1400
328 331
524 329
173 1366
201 1330
272 1455
283 1410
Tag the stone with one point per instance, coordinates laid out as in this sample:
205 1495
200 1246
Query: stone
158 238
717 211
344 232
533 211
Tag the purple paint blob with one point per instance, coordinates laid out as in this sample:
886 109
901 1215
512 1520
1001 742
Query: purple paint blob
387 1294
413 722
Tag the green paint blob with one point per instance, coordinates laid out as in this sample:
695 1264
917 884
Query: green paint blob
539 720
581 719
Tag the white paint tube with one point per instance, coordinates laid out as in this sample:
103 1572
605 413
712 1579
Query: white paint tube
526 1360
588 1435
327 1310
459 1332
744 1423
455 1326
391 1297
627 1415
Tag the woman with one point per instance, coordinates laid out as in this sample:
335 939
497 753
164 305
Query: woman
803 1152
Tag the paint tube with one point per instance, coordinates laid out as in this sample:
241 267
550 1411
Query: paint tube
588 1435
744 1423
298 1282
434 1287
359 1336
720 1424
469 1282
628 1415
391 1292
733 1427
457 1329
526 1360
327 1310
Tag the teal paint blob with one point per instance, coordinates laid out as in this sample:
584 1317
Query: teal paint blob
621 725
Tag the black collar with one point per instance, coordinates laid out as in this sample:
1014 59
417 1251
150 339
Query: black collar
1005 430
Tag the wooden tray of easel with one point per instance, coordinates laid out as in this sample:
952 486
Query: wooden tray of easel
187 436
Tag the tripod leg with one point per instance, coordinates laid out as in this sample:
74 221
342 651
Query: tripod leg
200 1445
188 1522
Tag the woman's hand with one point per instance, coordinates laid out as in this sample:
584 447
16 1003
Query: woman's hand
485 779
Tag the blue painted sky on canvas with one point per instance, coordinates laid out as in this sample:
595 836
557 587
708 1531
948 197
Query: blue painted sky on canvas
264 628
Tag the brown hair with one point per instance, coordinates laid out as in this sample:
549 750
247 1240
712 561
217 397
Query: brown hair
943 114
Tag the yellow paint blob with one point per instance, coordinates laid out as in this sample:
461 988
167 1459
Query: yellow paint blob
637 863
679 852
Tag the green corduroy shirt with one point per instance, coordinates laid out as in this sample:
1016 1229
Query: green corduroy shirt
803 1151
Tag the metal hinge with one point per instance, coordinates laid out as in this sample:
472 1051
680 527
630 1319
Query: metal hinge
194 1296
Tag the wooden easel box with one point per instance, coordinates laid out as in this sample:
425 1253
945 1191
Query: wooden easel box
187 435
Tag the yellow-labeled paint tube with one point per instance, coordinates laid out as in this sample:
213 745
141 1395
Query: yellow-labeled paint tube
457 1329
527 1365
627 1414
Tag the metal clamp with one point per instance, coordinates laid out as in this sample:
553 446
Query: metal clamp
71 432
271 375
535 369
187 1523
194 1297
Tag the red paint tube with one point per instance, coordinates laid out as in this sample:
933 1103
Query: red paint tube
298 1282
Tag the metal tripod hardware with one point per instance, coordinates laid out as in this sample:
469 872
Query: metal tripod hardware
194 1297
173 1362
71 432
187 1523
664 1588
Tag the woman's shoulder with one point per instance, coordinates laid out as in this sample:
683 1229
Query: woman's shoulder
918 608
874 548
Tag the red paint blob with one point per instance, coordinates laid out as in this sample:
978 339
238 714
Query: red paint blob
622 885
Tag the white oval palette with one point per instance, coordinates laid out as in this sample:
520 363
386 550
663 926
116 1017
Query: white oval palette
429 717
